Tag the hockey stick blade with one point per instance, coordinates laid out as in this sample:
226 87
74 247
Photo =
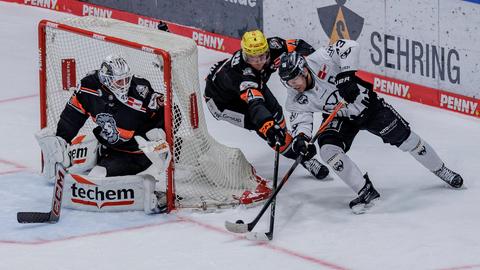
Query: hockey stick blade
35 217
54 215
236 227
258 236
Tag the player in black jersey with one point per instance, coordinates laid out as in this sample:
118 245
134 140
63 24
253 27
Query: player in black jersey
236 91
123 106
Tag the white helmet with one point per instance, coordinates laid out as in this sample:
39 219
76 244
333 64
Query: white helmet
115 74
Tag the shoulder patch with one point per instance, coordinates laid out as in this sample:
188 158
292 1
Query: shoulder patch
247 85
274 43
142 90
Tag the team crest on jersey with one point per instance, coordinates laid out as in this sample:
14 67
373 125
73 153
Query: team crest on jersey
301 99
142 90
109 127
248 72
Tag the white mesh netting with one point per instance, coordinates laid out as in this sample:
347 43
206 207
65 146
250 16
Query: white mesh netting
206 173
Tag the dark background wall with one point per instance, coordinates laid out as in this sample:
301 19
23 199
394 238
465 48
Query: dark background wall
226 17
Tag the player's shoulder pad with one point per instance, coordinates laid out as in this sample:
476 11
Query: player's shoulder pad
89 84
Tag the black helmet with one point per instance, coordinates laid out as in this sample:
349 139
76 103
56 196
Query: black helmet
291 65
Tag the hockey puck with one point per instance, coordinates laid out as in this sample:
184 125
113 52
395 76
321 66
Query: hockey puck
239 221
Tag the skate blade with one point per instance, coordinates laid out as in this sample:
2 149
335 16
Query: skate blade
363 208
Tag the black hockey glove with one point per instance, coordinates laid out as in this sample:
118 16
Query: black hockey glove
273 132
347 86
302 146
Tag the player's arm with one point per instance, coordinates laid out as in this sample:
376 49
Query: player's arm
54 144
279 45
251 93
73 116
345 54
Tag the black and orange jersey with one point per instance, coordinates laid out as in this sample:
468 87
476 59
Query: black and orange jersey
117 122
233 81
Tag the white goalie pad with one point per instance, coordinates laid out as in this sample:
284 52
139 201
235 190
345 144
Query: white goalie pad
83 153
156 148
54 149
111 194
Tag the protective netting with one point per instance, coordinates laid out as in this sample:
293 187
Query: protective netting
206 173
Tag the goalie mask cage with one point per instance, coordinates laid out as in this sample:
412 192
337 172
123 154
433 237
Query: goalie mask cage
203 173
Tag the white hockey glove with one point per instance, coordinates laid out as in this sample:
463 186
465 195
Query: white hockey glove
156 148
54 150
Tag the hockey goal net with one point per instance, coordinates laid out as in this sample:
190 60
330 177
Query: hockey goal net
203 173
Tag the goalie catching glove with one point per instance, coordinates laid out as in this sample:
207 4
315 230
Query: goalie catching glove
302 146
156 148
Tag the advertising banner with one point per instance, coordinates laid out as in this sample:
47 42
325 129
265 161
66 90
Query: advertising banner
225 17
428 44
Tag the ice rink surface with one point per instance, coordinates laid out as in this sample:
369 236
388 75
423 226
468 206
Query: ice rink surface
419 223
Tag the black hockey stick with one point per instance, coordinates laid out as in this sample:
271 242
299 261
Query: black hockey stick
240 226
269 235
54 215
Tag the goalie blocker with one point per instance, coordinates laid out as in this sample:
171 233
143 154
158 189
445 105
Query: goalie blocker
86 185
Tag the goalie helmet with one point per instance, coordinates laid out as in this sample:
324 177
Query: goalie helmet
115 74
291 65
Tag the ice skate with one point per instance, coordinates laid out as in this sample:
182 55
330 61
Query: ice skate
367 197
316 168
450 177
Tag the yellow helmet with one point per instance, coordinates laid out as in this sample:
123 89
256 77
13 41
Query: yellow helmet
254 43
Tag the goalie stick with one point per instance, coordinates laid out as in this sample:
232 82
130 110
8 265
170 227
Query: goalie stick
54 215
240 226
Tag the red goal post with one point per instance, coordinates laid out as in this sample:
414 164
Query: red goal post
196 176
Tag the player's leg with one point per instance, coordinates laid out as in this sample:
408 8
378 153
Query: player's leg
334 142
386 123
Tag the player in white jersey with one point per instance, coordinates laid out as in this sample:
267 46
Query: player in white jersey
316 83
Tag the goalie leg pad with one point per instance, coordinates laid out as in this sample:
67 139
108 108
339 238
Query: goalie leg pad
54 150
422 152
343 166
111 194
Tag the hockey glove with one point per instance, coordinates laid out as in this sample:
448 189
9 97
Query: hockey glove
273 132
302 146
54 149
156 148
347 86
